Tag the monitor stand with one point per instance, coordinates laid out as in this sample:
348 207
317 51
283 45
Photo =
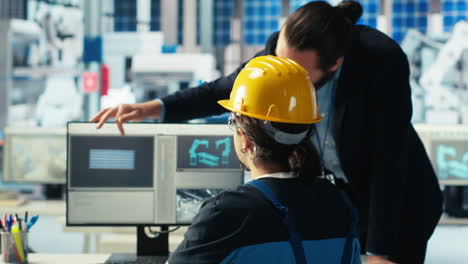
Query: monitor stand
155 249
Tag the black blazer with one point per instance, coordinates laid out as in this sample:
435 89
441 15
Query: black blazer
392 181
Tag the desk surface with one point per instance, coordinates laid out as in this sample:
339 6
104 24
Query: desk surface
67 258
51 208
448 220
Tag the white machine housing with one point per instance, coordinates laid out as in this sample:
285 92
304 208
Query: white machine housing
191 67
117 46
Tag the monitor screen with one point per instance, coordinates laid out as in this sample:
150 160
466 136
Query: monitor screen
35 155
447 147
450 159
157 174
109 161
206 152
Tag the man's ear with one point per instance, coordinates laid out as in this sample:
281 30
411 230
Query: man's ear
339 61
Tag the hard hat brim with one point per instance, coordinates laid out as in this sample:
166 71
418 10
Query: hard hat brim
226 104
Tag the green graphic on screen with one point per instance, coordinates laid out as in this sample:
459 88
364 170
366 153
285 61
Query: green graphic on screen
206 152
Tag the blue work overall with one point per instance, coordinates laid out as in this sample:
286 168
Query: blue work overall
297 250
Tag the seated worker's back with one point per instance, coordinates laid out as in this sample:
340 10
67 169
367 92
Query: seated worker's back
243 226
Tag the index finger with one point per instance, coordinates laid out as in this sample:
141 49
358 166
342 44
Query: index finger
97 117
107 115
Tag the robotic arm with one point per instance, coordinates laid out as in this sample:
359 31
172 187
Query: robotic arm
450 53
417 47
193 150
227 149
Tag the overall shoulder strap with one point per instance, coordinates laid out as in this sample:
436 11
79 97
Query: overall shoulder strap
352 232
294 237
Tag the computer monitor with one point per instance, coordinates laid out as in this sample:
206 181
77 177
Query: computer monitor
447 147
155 175
34 155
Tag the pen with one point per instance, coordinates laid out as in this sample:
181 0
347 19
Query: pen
32 222
9 223
26 218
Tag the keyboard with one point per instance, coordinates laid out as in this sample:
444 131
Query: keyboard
134 259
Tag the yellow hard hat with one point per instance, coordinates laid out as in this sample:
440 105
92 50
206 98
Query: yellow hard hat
274 89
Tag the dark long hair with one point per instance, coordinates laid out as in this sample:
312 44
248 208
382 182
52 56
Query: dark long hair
301 159
321 27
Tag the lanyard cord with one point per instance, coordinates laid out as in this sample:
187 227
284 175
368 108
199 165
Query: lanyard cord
321 147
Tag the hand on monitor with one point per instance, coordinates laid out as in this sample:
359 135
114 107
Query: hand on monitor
128 112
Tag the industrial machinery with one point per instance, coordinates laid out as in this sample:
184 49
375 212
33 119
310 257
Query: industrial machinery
40 62
439 82
442 98
60 102
439 70
17 41
138 62
163 74
120 47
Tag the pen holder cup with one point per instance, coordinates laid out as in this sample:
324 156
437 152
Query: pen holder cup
14 247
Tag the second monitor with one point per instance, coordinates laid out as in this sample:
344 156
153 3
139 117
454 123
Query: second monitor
34 155
158 174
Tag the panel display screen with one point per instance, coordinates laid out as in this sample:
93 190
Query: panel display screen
450 159
116 159
206 152
111 161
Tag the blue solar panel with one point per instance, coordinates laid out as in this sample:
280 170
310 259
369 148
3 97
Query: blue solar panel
409 14
155 20
295 4
223 13
261 19
125 12
371 12
453 11
180 22
369 17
